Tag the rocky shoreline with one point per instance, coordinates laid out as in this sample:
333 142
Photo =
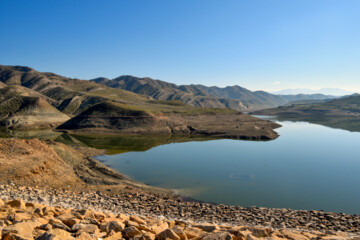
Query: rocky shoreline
151 205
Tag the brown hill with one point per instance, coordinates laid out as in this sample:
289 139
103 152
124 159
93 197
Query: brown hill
22 108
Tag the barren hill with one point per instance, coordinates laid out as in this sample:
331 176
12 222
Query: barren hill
23 108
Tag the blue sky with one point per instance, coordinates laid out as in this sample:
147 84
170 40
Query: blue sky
268 44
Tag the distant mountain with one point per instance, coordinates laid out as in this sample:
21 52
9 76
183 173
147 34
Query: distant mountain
234 97
325 91
348 106
307 97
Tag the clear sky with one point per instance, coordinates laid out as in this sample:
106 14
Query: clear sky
257 44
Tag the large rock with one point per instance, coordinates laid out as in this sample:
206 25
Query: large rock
17 203
207 227
218 236
131 232
167 234
158 228
56 234
192 232
88 228
115 226
179 232
22 230
115 236
137 219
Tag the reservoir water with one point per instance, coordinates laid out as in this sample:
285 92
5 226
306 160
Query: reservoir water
309 166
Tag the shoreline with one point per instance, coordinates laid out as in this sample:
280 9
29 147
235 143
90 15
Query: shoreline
142 203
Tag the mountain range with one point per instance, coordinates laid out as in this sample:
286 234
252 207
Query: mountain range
234 97
324 91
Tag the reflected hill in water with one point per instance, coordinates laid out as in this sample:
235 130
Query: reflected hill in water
113 144
122 144
351 124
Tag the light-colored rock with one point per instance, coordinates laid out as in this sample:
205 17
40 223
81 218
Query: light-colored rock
84 236
22 230
115 236
179 231
293 235
218 236
192 232
88 228
261 232
167 234
158 228
131 232
137 220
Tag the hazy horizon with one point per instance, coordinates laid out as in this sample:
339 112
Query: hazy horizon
258 45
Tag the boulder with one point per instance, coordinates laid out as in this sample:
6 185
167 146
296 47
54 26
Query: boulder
167 234
56 234
293 235
207 227
115 226
158 228
145 236
84 236
137 220
22 230
178 230
115 236
131 232
17 203
192 232
88 228
218 236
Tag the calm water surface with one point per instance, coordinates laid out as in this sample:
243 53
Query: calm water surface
308 167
